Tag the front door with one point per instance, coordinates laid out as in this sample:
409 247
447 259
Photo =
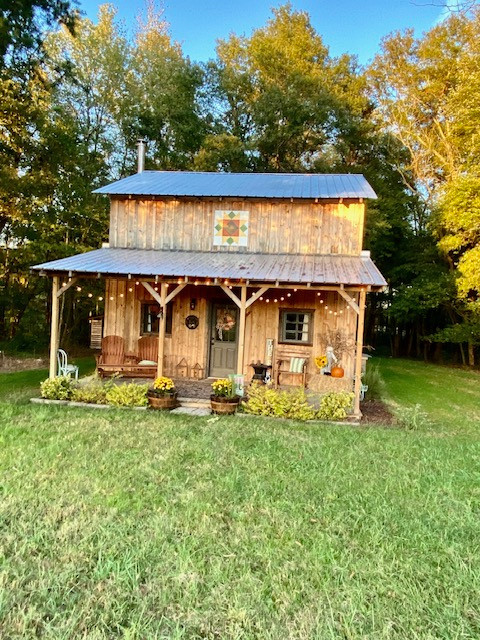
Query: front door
223 340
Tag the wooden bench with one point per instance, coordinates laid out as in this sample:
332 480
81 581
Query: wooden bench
292 362
113 358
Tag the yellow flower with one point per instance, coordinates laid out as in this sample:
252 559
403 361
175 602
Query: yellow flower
222 387
163 384
321 361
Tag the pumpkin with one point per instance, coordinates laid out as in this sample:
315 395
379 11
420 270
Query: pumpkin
337 372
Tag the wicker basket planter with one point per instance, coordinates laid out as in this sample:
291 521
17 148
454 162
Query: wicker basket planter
162 401
224 405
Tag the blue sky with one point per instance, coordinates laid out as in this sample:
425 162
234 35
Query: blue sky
346 26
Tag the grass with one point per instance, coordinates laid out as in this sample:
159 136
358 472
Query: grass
450 396
123 524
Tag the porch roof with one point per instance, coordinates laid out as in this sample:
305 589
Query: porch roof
256 267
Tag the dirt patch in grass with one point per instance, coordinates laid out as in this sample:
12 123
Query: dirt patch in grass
10 365
377 412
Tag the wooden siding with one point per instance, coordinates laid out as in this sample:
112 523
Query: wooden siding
123 300
274 227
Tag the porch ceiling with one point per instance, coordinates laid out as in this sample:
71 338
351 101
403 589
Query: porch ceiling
255 267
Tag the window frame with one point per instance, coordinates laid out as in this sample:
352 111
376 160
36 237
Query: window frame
282 327
169 318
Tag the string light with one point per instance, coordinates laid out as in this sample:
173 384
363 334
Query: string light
100 298
321 302
282 298
289 295
111 297
64 284
121 295
79 288
130 289
90 295
275 300
261 297
137 283
267 300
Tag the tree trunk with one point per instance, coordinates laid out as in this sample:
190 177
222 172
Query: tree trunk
471 354
462 353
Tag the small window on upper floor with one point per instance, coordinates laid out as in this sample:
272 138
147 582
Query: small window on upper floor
150 311
296 326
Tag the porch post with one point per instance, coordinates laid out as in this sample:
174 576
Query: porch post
54 327
358 356
161 328
241 329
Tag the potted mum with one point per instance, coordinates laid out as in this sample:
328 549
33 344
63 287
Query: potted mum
223 399
162 395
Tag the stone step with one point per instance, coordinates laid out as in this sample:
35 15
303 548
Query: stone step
194 403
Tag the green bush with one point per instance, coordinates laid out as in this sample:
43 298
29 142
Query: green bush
93 392
127 395
335 405
412 418
373 379
265 401
57 388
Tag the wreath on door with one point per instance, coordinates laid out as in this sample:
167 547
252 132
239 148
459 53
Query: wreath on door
225 322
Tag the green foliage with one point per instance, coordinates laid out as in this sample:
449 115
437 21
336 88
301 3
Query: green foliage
94 392
128 395
60 388
373 379
335 405
265 401
412 418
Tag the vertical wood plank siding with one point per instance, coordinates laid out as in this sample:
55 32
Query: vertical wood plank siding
274 226
122 317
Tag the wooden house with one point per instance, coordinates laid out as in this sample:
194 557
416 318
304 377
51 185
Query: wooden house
226 270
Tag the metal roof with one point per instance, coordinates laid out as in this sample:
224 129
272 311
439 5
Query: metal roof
256 267
242 185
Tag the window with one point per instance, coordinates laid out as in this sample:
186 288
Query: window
296 326
150 311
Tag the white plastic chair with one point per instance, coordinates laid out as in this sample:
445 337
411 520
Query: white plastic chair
65 369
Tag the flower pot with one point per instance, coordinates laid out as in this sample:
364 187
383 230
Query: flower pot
337 372
157 401
223 405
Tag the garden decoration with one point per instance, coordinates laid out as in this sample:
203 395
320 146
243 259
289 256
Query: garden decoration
223 399
162 395
331 360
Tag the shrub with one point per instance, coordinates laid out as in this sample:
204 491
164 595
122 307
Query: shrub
265 401
163 385
222 388
128 395
412 418
373 379
335 405
57 388
93 392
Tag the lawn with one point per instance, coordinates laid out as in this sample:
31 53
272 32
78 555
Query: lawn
119 524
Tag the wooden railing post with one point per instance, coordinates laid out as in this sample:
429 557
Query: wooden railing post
359 352
54 328
241 329
161 328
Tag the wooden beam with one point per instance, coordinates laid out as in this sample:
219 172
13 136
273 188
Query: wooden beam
231 295
350 301
152 291
66 286
162 321
256 296
358 355
241 330
54 327
174 293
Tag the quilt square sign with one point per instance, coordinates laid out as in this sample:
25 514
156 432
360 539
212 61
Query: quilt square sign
230 228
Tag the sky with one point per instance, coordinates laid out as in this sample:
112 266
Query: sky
346 26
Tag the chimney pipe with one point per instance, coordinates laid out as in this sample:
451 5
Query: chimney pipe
141 155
